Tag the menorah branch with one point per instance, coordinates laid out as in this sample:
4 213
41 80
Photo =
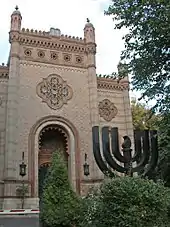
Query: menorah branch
145 153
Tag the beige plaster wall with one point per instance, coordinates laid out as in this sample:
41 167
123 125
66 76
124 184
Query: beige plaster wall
3 99
120 120
123 118
31 108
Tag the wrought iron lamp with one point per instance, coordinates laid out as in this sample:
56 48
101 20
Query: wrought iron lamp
22 172
86 167
145 157
22 169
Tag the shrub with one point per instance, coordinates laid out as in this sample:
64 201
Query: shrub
129 202
59 202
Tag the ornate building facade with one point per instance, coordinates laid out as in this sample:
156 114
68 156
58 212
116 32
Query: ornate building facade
50 97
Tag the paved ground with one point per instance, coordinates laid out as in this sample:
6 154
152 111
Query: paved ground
19 221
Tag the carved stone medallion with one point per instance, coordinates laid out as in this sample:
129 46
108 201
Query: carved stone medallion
54 91
107 110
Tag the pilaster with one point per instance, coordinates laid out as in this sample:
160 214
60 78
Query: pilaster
11 136
128 112
92 81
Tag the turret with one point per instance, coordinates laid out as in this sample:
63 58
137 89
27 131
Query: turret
16 19
12 135
89 32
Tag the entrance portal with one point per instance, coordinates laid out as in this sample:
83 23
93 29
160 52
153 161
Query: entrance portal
51 139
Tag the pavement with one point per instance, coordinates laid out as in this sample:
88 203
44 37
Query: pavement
19 221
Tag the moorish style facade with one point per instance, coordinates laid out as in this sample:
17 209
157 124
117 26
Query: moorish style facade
50 97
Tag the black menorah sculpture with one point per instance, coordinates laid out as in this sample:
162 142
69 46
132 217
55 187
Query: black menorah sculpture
143 160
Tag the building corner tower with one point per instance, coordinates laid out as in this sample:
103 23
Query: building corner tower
11 139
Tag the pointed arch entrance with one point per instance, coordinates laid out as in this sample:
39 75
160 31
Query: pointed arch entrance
38 134
52 138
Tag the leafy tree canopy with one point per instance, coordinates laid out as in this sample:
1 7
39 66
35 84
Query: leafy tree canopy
143 117
146 57
147 46
128 201
59 203
163 169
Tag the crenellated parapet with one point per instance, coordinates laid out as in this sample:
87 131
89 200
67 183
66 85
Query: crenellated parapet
48 40
110 82
52 47
4 71
107 76
53 33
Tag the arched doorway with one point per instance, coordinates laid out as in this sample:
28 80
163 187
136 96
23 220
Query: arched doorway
73 151
51 139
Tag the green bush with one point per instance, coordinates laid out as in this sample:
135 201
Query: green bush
127 202
59 202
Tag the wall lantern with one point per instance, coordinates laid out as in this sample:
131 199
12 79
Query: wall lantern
86 167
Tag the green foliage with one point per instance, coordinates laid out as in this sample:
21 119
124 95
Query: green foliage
88 208
147 58
22 191
163 169
59 203
147 46
143 117
126 202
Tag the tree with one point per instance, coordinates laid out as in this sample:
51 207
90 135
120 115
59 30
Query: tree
143 117
129 201
163 169
146 57
59 203
147 45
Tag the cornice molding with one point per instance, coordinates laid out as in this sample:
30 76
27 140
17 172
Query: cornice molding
62 43
57 44
111 84
60 68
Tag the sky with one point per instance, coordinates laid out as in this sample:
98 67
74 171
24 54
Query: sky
70 17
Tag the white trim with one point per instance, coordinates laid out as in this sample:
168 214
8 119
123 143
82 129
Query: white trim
18 211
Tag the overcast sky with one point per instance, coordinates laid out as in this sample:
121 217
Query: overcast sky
70 17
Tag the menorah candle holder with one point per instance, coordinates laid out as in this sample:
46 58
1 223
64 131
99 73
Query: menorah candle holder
111 159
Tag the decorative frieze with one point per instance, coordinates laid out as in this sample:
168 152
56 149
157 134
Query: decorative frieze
61 43
41 54
53 66
28 52
53 57
54 91
112 84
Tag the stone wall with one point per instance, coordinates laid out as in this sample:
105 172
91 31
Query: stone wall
76 110
44 64
3 99
116 95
